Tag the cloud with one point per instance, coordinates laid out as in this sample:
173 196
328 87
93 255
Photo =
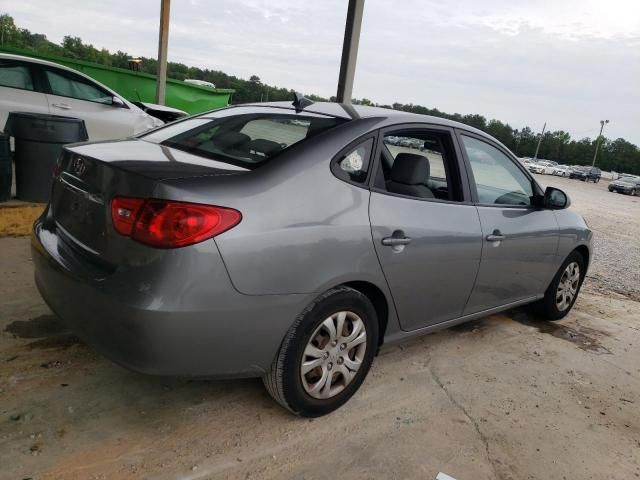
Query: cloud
570 63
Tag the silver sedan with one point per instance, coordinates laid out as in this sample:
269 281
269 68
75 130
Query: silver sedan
290 242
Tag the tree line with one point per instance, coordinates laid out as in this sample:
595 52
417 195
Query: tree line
619 155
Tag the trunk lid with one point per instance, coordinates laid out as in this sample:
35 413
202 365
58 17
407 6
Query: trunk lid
90 175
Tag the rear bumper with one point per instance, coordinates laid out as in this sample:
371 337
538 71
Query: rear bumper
202 328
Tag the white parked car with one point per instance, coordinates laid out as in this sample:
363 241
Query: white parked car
560 170
32 85
543 166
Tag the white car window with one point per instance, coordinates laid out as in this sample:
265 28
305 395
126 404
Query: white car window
69 85
14 75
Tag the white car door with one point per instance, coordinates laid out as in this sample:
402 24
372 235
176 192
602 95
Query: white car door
18 91
72 95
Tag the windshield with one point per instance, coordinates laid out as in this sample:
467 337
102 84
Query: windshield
243 136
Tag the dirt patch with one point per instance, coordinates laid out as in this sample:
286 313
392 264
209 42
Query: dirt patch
17 220
583 337
38 327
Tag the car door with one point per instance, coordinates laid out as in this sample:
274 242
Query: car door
19 90
520 240
75 96
425 230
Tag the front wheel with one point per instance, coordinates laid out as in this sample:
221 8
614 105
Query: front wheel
326 354
563 290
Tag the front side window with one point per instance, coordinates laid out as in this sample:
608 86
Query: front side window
421 164
498 179
15 75
242 136
69 85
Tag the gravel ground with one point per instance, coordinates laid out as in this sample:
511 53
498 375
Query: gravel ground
615 221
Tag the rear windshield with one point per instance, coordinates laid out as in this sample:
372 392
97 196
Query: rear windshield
248 138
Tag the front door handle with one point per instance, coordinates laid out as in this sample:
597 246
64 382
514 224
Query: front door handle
496 236
397 239
62 106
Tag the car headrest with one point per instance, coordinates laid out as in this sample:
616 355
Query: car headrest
231 140
410 169
264 148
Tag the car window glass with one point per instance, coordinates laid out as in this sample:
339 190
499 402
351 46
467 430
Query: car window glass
498 179
15 75
354 164
246 140
419 163
69 85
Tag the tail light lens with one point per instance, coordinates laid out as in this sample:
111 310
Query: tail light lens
169 224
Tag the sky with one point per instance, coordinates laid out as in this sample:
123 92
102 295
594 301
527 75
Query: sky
570 63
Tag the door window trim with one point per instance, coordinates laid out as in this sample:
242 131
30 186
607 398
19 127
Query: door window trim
467 199
537 190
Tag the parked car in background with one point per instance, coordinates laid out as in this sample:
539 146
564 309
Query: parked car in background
543 167
586 174
191 266
628 185
37 86
560 170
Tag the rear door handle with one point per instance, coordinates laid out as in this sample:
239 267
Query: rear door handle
496 236
396 240
62 106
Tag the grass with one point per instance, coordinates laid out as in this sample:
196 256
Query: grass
16 220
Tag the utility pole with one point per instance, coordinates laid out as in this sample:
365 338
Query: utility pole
163 45
595 154
540 141
350 50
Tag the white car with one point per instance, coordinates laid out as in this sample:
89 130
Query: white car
32 85
560 170
542 166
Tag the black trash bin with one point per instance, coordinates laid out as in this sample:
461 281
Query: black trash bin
38 142
5 168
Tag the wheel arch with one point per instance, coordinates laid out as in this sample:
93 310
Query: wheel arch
379 301
586 254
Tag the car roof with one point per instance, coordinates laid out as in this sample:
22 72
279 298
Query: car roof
22 58
388 116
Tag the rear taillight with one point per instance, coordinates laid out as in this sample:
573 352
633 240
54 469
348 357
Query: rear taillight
169 224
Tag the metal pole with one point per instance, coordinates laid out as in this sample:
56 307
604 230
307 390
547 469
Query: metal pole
350 50
540 141
163 45
595 154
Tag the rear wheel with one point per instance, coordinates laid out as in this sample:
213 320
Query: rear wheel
326 354
563 290
634 192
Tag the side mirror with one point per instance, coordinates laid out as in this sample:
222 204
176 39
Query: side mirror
555 199
117 102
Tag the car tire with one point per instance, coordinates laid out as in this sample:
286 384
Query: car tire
633 192
298 392
550 307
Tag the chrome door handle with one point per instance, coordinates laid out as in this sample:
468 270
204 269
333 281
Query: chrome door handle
496 236
395 241
62 106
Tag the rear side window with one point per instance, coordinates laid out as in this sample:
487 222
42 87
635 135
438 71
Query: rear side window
245 139
353 164
14 75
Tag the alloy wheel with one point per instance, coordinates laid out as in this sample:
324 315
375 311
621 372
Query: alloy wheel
568 286
333 355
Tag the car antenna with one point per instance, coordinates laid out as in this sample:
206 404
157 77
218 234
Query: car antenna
300 102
